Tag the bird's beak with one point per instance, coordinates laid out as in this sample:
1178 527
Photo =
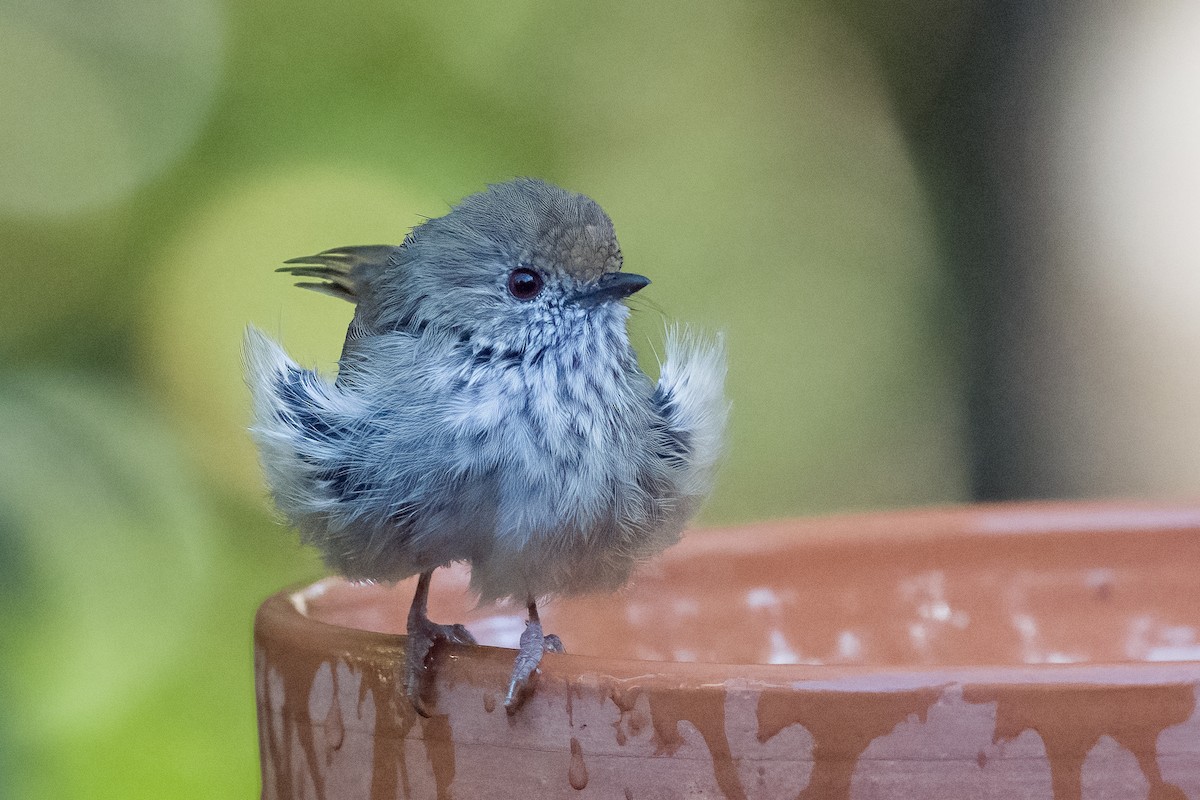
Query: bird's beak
612 286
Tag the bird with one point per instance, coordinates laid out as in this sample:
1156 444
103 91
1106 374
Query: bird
488 408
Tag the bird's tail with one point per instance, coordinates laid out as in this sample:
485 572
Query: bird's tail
345 272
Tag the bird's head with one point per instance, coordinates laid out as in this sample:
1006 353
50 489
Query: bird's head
522 264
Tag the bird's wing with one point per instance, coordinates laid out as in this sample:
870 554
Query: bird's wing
690 401
362 474
311 437
302 425
345 272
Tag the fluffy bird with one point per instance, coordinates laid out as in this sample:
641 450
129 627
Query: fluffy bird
488 408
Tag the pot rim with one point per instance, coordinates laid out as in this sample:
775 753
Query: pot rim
280 616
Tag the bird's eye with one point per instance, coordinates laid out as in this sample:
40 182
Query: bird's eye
524 283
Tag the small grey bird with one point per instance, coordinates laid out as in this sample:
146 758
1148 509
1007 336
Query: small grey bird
488 408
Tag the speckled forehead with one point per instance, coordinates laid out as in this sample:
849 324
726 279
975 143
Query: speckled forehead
584 249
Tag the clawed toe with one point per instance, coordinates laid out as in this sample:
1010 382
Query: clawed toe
458 634
419 647
423 638
422 641
533 645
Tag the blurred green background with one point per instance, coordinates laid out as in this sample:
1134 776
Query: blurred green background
812 178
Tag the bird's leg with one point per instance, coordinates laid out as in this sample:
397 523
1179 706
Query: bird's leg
423 635
533 644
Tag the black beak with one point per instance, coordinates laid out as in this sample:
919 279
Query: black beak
612 286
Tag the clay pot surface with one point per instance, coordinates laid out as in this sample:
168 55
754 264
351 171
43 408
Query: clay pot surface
1026 651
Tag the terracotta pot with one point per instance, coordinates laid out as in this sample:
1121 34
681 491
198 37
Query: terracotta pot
1034 651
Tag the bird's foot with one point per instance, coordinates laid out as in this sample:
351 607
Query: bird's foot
423 637
533 644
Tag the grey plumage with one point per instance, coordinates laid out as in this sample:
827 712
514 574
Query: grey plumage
467 424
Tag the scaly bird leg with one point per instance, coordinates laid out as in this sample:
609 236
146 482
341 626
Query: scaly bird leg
423 636
533 644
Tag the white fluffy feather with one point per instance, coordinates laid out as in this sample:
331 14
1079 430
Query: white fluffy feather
693 374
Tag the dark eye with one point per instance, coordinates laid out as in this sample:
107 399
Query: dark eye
524 283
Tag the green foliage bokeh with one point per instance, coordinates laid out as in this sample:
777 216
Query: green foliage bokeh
167 155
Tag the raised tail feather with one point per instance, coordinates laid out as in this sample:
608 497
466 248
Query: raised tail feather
343 272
